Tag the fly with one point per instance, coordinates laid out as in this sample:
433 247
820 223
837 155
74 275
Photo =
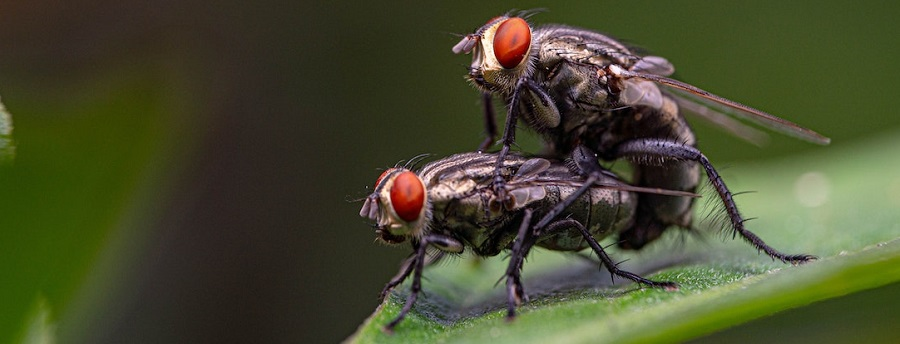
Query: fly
579 87
449 205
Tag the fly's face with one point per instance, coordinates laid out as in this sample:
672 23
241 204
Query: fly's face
501 53
399 205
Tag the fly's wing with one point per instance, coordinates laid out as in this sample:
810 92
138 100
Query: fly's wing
548 174
727 123
531 168
725 106
521 191
522 196
641 92
647 93
654 65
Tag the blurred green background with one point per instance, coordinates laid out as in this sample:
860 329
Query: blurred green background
186 171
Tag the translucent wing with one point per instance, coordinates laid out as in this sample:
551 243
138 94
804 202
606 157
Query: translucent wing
531 168
541 181
646 190
641 92
654 65
647 93
727 123
729 107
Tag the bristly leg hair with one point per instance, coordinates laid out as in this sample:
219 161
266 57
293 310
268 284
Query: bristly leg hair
714 215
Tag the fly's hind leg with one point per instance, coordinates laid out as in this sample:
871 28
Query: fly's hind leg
587 163
611 266
645 150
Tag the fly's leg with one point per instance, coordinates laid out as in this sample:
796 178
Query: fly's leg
490 121
405 269
514 291
418 262
509 137
509 130
590 168
527 236
587 163
611 266
415 264
525 240
644 150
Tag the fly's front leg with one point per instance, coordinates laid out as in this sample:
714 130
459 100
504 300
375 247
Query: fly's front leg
405 269
646 150
539 110
415 264
509 137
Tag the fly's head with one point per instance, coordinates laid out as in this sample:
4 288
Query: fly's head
399 206
502 53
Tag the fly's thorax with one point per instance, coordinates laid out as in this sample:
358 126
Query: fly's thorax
459 188
450 189
464 209
601 131
465 206
467 217
579 95
561 42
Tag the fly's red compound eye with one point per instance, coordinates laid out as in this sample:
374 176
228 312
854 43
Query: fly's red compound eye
511 42
383 174
408 196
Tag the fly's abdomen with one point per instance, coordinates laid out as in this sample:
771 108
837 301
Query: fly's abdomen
658 212
603 211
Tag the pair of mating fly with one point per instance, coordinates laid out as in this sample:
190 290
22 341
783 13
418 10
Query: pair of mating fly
591 98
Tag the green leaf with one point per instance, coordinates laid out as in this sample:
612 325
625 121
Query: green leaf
40 328
834 204
84 157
